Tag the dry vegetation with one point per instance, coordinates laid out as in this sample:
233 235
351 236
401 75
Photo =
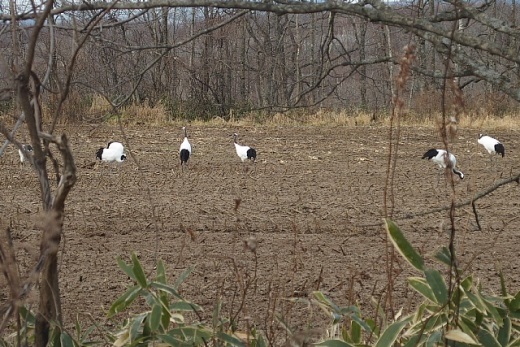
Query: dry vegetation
159 115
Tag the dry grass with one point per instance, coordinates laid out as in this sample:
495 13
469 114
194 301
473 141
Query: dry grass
159 115
100 106
144 113
132 114
466 120
485 122
323 118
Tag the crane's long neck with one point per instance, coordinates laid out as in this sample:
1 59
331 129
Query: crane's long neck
235 139
459 173
185 133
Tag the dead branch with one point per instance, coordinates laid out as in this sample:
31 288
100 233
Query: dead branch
9 268
467 202
68 177
475 213
19 122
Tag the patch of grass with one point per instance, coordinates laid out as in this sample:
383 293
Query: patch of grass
160 114
145 113
100 105
473 120
323 118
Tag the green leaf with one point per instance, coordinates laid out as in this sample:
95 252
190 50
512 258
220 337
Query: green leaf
413 341
444 256
493 311
467 283
136 327
421 286
476 300
124 301
182 277
194 334
27 316
460 336
127 269
138 272
173 341
487 339
327 305
216 314
434 339
77 326
468 325
166 315
66 340
161 272
515 303
437 284
230 340
373 326
504 333
334 343
323 299
146 332
403 246
391 333
154 318
361 322
185 306
503 287
165 288
355 332
433 323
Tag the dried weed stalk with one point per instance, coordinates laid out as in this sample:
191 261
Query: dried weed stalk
393 149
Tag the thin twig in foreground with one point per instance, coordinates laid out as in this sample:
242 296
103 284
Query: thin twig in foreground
467 202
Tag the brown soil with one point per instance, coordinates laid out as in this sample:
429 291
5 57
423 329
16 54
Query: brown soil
313 202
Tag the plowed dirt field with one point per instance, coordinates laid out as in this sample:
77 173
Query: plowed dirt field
312 205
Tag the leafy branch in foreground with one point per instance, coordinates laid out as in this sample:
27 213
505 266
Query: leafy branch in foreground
164 321
467 317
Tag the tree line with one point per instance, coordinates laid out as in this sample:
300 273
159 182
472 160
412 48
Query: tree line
211 61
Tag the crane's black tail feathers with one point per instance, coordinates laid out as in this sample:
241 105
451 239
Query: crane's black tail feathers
499 148
251 154
185 155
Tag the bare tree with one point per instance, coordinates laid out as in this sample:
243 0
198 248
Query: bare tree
300 57
435 28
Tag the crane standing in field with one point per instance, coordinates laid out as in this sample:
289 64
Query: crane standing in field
244 152
444 160
493 146
27 150
185 149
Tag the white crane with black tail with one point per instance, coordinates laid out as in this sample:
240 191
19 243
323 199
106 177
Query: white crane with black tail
444 160
493 146
244 152
115 151
185 149
27 150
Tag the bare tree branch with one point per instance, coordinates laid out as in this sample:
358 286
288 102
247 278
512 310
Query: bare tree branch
467 202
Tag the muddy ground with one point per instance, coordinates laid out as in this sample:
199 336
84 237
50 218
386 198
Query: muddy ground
313 203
